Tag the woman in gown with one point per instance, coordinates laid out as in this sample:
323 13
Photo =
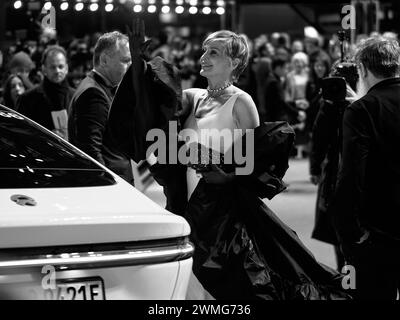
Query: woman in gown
243 251
220 107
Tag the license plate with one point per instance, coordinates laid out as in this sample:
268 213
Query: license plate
74 289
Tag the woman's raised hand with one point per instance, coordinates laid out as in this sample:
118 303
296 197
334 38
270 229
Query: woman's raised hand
136 37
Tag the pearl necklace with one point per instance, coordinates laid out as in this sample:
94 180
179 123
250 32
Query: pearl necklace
216 92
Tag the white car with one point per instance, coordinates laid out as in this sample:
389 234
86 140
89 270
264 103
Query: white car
72 229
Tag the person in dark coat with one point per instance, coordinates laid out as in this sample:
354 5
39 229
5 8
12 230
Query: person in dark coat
48 102
91 103
326 142
366 206
318 70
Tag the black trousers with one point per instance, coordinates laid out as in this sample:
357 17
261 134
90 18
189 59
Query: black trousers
377 270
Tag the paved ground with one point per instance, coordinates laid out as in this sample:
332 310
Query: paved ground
295 207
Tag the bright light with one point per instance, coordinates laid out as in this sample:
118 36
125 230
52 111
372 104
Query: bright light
193 2
64 6
165 9
179 9
109 1
122 1
220 3
193 10
152 1
179 2
94 7
152 9
47 6
220 10
17 4
165 1
79 7
109 7
137 8
206 2
206 10
137 1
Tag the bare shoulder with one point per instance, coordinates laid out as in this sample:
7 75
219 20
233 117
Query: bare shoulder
245 111
245 100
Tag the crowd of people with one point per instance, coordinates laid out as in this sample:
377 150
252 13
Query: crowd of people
282 76
99 97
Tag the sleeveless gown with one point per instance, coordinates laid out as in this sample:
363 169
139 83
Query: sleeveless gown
204 130
221 119
243 250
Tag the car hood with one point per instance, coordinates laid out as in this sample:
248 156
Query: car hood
64 216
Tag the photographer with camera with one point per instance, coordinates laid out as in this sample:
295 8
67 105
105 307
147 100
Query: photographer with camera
326 141
366 204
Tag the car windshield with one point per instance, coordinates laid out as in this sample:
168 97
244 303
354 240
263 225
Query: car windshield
31 157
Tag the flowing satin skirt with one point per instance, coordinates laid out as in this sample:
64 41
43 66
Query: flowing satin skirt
243 250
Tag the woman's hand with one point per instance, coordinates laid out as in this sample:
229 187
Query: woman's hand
217 175
136 37
137 44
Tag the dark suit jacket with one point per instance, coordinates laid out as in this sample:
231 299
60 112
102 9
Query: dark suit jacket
368 189
87 122
324 161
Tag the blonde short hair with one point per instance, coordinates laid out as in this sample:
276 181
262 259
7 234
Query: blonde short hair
236 47
300 56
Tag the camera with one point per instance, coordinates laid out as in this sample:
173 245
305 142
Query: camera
342 73
334 88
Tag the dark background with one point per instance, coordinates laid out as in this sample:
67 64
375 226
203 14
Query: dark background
252 17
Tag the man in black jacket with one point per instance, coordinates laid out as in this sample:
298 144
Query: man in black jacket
48 102
91 103
366 207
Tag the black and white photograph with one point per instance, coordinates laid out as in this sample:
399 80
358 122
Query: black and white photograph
200 156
